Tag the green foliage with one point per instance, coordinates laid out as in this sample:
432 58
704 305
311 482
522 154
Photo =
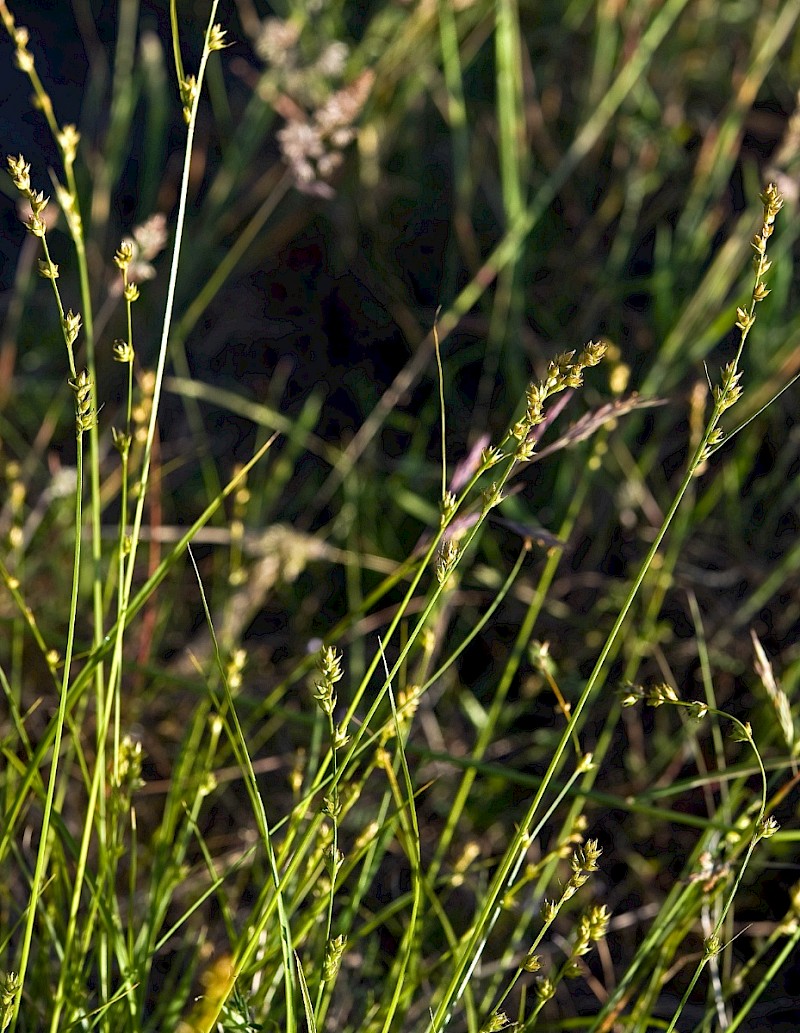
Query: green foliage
458 693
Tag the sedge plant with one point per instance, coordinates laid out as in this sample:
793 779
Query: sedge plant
343 898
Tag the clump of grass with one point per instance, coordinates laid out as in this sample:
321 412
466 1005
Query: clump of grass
425 858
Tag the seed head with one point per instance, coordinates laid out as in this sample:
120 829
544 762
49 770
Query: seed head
10 987
71 326
48 270
216 38
124 254
68 140
772 199
85 413
548 910
532 962
130 763
597 919
20 172
525 451
188 94
497 1020
744 319
329 664
448 558
585 859
742 732
23 58
448 507
491 456
333 958
661 693
592 354
122 351
122 441
767 828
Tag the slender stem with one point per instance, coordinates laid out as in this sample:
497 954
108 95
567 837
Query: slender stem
41 854
105 701
468 957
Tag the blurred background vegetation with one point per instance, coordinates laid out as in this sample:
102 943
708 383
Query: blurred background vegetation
546 173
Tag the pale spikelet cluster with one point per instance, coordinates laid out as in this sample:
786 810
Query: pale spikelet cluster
329 672
565 371
592 926
337 116
532 962
519 444
491 496
447 559
20 172
407 704
10 986
234 669
497 1021
71 323
574 837
329 666
563 849
297 774
122 351
584 862
67 137
82 389
654 695
766 827
16 492
729 390
216 38
128 777
491 456
136 255
448 507
187 88
333 958
742 731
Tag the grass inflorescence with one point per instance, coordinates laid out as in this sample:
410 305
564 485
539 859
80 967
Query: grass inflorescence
439 674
